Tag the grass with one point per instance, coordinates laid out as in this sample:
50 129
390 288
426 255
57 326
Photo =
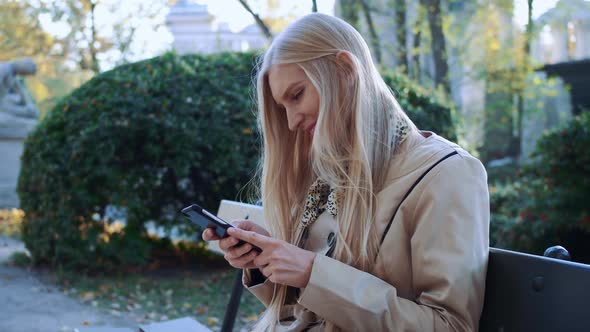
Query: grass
163 295
20 259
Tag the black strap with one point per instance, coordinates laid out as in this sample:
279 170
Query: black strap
409 191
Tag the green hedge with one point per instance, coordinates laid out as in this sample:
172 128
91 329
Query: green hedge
151 137
549 204
429 109
560 180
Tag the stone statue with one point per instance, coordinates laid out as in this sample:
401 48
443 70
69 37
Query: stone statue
18 113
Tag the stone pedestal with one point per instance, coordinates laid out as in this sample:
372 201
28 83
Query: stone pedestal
12 137
10 153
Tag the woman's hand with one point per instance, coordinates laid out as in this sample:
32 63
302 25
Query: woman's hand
241 257
281 262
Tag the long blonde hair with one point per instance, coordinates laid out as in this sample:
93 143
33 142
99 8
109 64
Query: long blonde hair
351 149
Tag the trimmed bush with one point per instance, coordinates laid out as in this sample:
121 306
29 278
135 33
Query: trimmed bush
560 180
548 205
150 137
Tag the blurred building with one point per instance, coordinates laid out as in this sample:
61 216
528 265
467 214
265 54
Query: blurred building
564 33
195 30
561 50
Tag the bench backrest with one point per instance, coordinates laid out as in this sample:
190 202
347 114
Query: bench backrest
230 210
533 293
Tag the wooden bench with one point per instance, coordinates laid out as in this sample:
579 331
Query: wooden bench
523 292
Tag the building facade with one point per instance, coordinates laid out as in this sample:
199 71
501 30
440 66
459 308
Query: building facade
196 30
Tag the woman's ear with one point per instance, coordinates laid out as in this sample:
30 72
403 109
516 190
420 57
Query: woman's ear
344 59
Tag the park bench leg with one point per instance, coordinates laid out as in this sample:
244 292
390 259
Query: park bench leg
234 304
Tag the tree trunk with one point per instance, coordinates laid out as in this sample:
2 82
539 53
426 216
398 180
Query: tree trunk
517 140
400 25
374 37
349 11
415 74
94 66
438 45
258 20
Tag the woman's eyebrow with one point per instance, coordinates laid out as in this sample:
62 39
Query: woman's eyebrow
288 90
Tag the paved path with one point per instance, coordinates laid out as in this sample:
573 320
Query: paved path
28 305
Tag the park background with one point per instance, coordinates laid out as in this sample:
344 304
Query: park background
146 106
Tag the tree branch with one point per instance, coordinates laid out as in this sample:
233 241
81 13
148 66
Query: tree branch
258 20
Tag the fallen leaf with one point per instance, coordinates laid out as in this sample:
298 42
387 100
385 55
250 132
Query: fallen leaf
201 309
212 321
252 318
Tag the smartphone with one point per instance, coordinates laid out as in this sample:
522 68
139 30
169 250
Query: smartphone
205 219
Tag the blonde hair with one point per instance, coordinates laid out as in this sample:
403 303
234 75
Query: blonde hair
351 149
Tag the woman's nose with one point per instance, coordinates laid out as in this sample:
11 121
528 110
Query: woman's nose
294 119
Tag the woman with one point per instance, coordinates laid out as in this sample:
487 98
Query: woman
373 225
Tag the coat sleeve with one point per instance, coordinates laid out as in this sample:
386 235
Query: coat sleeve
449 252
255 282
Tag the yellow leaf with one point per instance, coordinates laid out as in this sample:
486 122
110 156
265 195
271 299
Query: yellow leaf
201 309
212 321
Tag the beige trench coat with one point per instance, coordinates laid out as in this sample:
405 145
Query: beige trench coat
431 267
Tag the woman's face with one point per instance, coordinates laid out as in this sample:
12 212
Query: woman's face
295 94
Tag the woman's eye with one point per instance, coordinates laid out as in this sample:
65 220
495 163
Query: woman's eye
297 95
